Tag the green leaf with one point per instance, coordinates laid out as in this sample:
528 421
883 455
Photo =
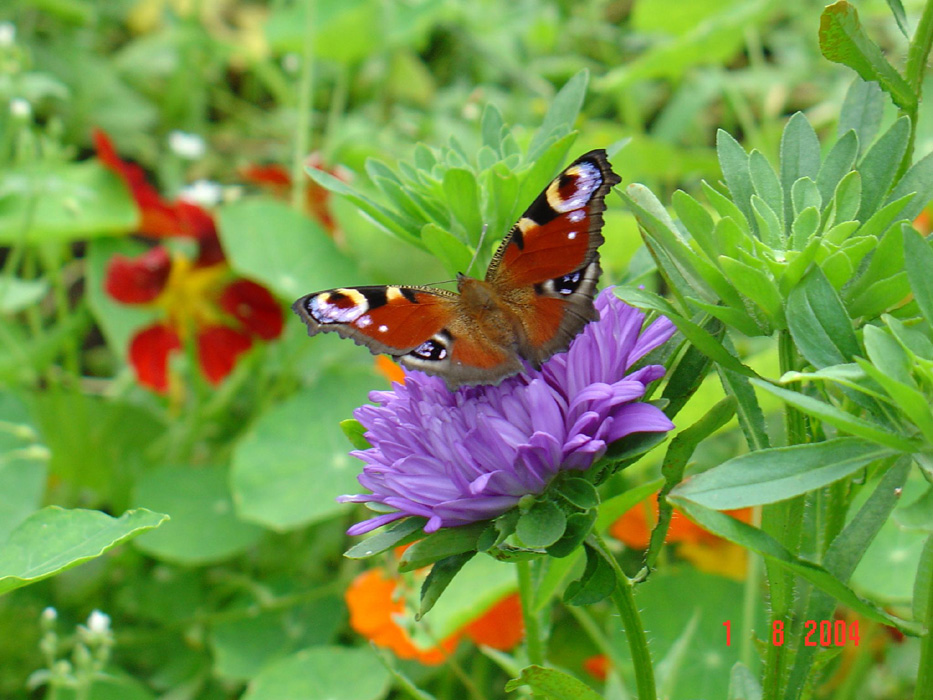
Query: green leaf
734 163
918 259
917 181
63 202
685 377
749 413
847 199
911 402
679 452
579 492
923 583
918 515
805 193
440 576
286 251
703 339
53 539
560 118
770 227
17 294
578 527
398 533
862 110
757 286
355 433
204 528
597 583
766 183
292 463
697 220
552 683
842 420
491 127
779 473
897 9
800 157
322 672
462 195
838 164
879 166
758 541
805 225
818 322
541 525
447 248
543 170
439 545
842 40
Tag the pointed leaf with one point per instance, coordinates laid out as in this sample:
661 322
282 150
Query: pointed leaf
818 322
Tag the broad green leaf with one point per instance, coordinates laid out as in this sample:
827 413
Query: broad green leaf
918 259
552 683
288 252
805 193
322 673
842 40
800 157
770 228
53 539
734 163
779 473
204 528
847 199
23 465
805 225
879 166
818 322
63 202
560 118
747 410
579 525
757 286
579 492
292 463
838 163
698 222
841 419
758 541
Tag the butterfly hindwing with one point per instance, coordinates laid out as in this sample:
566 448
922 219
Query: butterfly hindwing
548 265
423 327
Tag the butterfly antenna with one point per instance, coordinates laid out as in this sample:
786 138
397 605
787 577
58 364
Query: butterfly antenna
479 247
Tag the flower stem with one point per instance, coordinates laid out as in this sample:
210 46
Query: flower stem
624 598
917 54
303 122
533 643
924 688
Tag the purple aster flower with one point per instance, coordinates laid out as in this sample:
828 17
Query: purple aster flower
469 455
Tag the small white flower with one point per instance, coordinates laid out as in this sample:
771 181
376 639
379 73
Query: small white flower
7 34
291 62
20 108
50 614
187 146
98 622
206 193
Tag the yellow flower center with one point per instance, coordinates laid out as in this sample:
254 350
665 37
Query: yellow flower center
190 295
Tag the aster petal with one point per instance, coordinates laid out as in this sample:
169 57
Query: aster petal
638 418
138 280
218 350
361 528
654 336
148 354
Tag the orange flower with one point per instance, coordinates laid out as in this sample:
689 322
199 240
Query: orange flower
706 551
597 666
378 612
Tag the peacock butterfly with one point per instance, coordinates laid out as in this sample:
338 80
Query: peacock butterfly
537 294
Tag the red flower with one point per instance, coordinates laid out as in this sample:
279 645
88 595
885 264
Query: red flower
202 302
317 199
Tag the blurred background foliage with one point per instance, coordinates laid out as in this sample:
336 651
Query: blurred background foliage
244 587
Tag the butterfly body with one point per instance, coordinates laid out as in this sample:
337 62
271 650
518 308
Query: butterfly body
536 296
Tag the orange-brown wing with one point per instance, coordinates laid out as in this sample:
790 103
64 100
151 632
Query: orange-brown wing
548 265
422 327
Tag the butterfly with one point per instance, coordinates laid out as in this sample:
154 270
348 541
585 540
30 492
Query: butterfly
536 296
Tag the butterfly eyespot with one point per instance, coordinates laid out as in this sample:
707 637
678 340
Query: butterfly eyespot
430 350
572 190
568 284
338 306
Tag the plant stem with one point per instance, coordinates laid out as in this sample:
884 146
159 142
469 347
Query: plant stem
303 124
917 54
624 598
533 643
924 689
750 599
